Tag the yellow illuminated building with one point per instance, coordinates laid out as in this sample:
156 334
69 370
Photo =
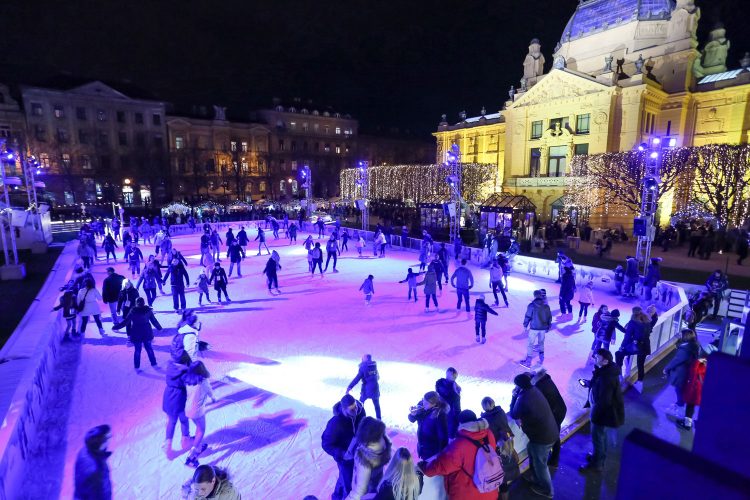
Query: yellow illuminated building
624 70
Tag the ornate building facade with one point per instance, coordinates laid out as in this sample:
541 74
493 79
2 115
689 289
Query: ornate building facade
624 70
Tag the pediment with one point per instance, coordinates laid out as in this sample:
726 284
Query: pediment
557 85
99 89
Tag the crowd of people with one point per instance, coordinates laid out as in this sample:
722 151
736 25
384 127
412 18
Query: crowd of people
460 453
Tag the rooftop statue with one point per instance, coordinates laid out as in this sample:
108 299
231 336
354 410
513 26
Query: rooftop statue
714 55
533 65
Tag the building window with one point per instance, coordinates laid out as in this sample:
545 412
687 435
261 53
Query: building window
536 129
305 126
104 162
179 142
244 164
294 165
326 130
5 130
316 127
156 120
140 139
58 111
233 146
83 136
581 149
44 160
582 123
36 109
293 146
101 115
295 187
122 138
138 118
262 186
243 145
557 159
103 139
281 144
282 187
85 162
338 149
89 189
65 161
535 162
62 135
338 130
158 141
127 195
40 133
81 113
121 117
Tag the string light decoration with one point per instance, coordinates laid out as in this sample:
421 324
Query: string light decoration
714 178
721 182
417 182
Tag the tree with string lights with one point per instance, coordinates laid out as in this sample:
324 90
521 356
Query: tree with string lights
721 181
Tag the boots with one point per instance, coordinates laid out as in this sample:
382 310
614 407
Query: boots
526 362
541 358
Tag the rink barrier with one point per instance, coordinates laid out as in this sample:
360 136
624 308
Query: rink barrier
31 353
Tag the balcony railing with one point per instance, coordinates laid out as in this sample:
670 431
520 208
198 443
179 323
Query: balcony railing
538 181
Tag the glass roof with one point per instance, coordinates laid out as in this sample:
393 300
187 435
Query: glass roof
594 15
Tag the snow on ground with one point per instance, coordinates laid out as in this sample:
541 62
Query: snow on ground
280 362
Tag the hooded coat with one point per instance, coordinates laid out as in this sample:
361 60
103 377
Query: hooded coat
605 397
92 481
340 431
430 282
538 315
678 369
456 462
653 275
90 298
368 374
608 324
369 461
432 430
537 420
498 422
139 320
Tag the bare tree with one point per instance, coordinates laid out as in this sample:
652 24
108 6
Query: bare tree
721 182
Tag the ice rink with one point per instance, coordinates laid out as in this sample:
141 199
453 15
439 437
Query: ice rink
280 362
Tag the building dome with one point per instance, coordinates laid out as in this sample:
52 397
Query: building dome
592 16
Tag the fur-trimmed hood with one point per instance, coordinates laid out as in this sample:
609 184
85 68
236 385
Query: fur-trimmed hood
475 426
539 375
374 455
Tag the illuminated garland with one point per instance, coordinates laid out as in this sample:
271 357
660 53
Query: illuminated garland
419 182
715 177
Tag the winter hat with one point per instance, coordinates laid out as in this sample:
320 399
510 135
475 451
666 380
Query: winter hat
467 416
537 294
615 313
96 436
605 354
523 380
347 400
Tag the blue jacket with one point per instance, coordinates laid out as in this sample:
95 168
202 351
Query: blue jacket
677 369
340 431
368 374
177 273
631 268
175 394
432 431
652 275
462 278
567 286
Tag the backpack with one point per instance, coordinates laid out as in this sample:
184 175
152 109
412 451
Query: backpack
488 467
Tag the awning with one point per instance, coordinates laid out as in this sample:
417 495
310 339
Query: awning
507 203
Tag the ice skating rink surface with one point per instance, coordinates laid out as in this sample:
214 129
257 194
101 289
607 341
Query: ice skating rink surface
280 362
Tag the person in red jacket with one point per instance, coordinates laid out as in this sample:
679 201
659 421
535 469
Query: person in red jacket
456 462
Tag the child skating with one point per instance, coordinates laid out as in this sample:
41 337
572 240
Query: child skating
480 318
585 299
68 305
202 283
411 280
368 288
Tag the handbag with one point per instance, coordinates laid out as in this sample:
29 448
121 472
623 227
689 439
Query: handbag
82 303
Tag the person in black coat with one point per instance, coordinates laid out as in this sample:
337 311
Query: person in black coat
111 287
173 401
337 436
243 240
529 406
431 416
542 381
450 391
126 299
567 291
220 280
92 481
497 419
272 278
368 374
177 274
607 407
678 369
234 252
138 322
653 275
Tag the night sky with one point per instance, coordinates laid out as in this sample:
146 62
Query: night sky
388 63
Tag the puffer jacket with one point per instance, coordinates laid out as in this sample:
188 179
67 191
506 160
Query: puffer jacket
538 315
175 394
369 461
224 490
605 397
368 374
429 282
340 431
456 462
607 326
481 309
462 278
432 430
678 368
139 321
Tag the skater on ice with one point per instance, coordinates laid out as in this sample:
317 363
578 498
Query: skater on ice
272 265
481 309
411 281
369 376
462 280
219 280
536 323
368 288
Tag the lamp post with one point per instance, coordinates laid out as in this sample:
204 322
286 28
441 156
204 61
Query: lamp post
10 270
363 181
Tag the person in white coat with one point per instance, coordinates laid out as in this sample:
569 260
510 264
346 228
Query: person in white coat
198 392
189 327
371 451
585 299
88 301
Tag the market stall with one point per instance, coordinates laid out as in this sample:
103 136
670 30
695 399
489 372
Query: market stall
433 213
509 215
